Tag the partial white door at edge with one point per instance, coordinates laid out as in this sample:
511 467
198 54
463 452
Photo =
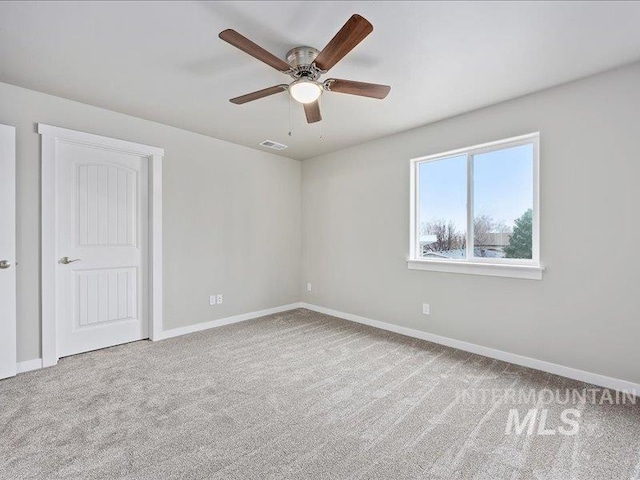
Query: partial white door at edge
7 251
102 230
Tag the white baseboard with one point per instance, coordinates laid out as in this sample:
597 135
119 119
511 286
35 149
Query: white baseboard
29 365
36 363
573 373
175 332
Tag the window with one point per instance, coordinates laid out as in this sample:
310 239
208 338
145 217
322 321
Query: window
475 210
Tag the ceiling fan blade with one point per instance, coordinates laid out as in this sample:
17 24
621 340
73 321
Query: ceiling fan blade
350 35
363 89
256 51
265 92
312 111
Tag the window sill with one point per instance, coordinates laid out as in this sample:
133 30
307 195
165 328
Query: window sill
529 272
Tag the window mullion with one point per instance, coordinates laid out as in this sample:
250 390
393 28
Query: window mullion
416 210
469 206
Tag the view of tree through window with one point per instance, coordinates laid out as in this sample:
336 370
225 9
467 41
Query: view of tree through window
502 194
500 182
443 208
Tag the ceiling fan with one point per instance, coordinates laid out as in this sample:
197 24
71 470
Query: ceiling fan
306 64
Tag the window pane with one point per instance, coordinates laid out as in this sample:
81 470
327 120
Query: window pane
442 211
503 203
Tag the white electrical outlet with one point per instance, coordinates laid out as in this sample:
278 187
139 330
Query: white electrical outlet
212 299
219 299
426 309
308 287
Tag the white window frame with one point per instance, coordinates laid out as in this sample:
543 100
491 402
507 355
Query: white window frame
501 267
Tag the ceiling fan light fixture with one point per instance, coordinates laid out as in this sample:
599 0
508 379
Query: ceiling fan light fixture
305 91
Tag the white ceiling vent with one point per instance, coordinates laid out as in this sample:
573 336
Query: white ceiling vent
272 144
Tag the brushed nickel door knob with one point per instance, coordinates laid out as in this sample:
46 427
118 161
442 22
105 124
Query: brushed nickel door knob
4 264
67 260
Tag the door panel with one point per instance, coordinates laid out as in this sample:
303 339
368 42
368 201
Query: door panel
7 251
105 296
101 221
106 199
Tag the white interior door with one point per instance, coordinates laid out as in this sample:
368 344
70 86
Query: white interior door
7 251
102 224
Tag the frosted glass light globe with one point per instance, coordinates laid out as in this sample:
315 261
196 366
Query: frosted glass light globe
305 91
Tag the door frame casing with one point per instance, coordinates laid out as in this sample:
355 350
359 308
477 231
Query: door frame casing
50 136
8 338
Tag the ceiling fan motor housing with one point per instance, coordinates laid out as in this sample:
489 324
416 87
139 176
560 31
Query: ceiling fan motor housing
301 61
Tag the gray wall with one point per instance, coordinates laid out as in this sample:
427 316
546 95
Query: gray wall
232 220
231 215
584 314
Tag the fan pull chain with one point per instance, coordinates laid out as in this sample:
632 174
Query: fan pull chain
321 123
290 129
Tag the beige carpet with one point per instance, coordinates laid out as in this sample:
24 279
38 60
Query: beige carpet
296 395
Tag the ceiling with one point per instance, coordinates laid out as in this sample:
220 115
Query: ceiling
163 61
